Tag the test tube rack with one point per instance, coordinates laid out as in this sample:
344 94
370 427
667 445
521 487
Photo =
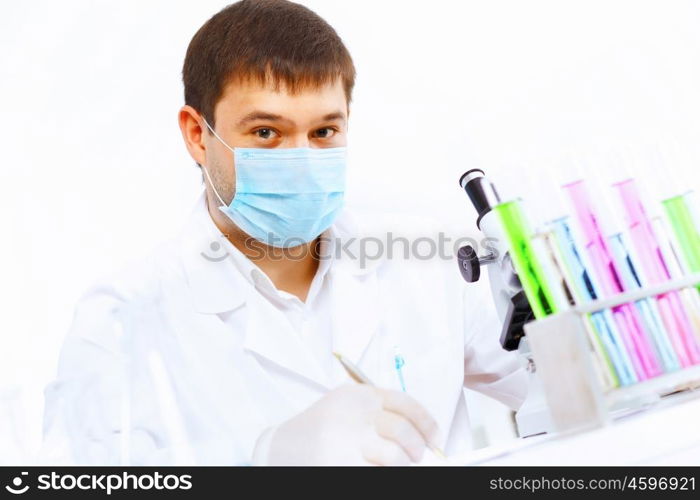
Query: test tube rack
564 361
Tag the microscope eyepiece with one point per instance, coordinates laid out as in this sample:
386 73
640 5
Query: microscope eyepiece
469 175
481 192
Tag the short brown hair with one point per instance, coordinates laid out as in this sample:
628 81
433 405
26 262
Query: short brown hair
269 41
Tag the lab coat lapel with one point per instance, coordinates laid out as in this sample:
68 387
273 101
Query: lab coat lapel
356 311
355 317
270 336
217 288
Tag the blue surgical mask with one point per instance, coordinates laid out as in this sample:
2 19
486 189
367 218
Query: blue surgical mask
285 197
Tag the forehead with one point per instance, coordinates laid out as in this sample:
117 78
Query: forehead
241 97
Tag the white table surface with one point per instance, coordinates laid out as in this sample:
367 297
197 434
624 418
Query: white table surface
668 433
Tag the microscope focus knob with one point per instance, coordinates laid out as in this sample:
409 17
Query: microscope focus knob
469 265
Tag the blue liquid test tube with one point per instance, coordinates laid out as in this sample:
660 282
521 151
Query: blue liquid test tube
586 291
646 307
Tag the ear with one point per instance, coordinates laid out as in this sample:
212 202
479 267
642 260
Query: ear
189 120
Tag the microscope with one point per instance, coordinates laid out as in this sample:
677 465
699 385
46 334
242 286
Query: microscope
511 303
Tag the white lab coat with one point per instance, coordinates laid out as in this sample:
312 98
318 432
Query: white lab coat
231 370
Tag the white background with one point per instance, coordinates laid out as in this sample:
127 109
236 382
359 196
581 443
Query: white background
94 171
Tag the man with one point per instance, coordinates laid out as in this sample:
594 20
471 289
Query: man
219 349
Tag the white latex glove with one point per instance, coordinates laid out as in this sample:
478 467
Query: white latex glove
354 425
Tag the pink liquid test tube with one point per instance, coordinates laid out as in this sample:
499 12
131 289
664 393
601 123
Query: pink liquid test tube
605 270
655 271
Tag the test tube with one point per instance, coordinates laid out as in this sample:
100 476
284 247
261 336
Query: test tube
583 288
647 308
544 247
656 271
691 303
605 270
545 243
669 249
604 333
525 261
680 212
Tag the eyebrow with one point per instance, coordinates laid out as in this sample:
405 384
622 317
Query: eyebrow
337 115
264 115
261 115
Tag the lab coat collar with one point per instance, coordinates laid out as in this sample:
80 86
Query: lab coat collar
215 284
346 245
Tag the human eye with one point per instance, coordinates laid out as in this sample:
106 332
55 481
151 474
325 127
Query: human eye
325 133
265 133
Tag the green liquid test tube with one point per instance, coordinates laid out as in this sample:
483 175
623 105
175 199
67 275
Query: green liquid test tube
525 261
680 212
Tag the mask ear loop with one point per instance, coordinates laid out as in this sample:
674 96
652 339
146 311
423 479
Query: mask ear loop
215 134
206 170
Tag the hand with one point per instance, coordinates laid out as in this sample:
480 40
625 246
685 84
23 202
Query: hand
353 425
